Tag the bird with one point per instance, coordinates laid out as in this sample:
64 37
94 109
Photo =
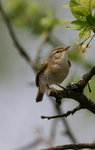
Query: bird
54 70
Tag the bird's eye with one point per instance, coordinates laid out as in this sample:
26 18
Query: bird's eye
58 52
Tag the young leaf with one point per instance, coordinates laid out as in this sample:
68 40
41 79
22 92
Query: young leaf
87 3
80 12
84 33
90 20
74 3
80 23
74 27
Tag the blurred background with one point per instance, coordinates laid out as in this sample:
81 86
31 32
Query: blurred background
39 26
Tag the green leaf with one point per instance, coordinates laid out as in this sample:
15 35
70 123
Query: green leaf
80 23
74 27
84 33
76 22
86 3
92 85
64 22
90 20
81 8
81 12
74 3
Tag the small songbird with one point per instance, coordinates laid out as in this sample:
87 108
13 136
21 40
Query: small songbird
53 71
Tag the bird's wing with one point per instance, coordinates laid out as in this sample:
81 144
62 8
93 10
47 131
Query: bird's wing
43 66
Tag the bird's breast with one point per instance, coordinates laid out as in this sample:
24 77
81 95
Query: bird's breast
56 73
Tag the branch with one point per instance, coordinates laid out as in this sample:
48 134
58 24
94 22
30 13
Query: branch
71 112
75 91
64 121
86 77
72 146
20 49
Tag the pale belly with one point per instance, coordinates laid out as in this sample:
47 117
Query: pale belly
56 76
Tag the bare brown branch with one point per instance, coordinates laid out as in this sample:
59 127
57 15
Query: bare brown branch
72 146
75 91
86 77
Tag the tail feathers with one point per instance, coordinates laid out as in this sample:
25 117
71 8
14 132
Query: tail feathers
39 96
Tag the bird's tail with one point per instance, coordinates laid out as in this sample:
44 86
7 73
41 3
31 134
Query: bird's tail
40 95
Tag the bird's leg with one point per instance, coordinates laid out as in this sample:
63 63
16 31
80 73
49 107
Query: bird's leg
52 88
62 87
58 101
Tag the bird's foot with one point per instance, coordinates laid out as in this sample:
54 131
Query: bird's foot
54 89
58 101
62 87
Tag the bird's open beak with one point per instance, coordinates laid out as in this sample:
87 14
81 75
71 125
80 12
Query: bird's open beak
66 48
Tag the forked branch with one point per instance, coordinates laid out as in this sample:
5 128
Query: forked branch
75 91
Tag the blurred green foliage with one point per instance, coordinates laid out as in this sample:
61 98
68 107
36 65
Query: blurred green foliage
37 17
92 86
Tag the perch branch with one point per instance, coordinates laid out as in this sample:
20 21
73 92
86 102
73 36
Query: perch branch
86 77
75 91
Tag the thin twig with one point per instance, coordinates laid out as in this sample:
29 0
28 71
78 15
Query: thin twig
87 39
72 146
89 87
86 77
84 101
71 112
90 40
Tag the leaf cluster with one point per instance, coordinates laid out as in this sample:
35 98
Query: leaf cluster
84 21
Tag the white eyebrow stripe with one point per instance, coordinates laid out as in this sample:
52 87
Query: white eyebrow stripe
57 50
